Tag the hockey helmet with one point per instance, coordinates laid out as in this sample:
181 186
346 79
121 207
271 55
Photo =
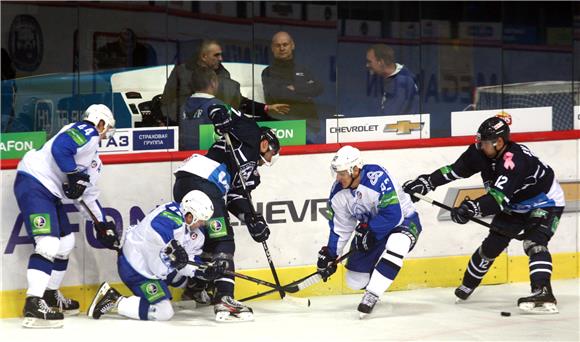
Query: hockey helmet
268 134
198 205
97 112
492 129
346 159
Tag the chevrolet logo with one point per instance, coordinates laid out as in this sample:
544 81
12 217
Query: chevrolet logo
403 127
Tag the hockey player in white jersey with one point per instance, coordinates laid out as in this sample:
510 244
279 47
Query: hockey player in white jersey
155 255
367 201
67 166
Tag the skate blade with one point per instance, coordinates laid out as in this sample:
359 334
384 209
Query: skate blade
66 312
459 300
362 315
100 293
543 309
227 317
37 323
71 312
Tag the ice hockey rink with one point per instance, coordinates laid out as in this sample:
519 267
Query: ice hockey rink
414 315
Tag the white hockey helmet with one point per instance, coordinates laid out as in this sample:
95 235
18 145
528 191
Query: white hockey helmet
346 159
198 205
97 112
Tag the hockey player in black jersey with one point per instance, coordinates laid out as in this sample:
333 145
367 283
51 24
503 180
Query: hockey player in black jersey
522 194
218 176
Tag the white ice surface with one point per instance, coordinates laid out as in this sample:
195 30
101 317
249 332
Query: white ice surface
417 315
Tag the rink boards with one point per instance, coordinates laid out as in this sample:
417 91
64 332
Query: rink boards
292 198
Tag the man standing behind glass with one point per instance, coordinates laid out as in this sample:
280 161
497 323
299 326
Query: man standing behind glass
178 88
400 92
286 82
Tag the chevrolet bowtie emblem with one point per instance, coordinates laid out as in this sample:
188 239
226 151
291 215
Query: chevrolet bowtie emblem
403 127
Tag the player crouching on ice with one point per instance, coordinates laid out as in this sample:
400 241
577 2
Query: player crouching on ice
156 254
368 201
522 194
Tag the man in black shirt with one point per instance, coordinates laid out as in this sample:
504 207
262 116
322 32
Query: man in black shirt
287 82
522 194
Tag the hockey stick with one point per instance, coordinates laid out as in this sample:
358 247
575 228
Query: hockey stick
247 193
119 244
474 219
301 283
246 277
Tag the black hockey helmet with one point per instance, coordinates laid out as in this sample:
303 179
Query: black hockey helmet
266 133
491 129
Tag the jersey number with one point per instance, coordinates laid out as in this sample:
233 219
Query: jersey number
87 131
501 180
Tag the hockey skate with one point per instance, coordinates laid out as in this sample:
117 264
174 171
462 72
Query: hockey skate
462 293
230 310
105 301
367 304
542 301
37 314
58 302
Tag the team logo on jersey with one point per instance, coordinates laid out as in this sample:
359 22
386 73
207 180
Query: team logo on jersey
94 164
217 227
358 195
152 290
40 224
193 235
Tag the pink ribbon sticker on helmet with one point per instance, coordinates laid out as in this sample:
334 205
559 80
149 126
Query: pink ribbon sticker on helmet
508 164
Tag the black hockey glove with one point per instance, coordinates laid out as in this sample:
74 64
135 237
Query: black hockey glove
364 239
326 263
421 185
211 271
107 235
221 118
76 185
258 227
466 210
178 257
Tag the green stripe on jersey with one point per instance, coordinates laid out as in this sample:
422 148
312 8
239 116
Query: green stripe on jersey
446 169
77 136
173 217
498 196
388 198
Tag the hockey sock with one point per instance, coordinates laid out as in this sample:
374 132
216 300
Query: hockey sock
224 287
540 269
57 274
133 307
38 275
389 264
476 269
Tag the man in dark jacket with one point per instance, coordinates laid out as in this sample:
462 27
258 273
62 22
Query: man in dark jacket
286 82
178 86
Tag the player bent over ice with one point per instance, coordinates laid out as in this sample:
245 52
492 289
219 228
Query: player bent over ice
67 166
522 194
155 255
366 200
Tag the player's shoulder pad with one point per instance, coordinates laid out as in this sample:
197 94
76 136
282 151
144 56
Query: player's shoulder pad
372 176
81 133
515 157
171 213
